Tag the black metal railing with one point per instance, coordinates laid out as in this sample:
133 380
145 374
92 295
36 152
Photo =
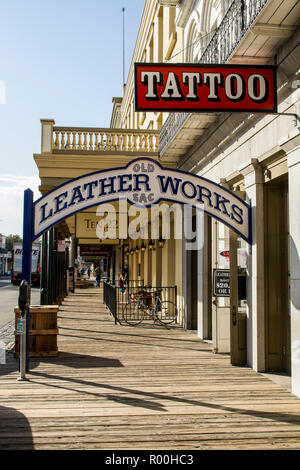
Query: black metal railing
123 294
127 303
147 303
110 298
237 20
114 296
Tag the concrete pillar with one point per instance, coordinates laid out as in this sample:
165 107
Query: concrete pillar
147 265
203 274
291 145
47 135
253 182
179 278
156 265
43 271
167 254
186 288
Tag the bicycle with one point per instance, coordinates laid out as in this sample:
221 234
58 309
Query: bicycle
145 304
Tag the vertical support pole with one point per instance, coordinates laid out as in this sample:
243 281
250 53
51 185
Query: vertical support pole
26 258
44 270
59 271
66 265
233 299
50 273
238 351
55 273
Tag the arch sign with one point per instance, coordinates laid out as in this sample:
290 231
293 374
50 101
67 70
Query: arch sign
145 182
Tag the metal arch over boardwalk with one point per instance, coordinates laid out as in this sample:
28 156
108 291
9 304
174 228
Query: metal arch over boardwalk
146 182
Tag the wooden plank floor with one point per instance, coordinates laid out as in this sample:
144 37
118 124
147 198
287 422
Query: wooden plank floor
119 387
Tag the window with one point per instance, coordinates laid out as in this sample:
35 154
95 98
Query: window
193 44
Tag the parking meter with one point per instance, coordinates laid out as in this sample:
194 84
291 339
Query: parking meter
24 297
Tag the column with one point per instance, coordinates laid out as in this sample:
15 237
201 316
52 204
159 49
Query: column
203 279
55 267
50 272
47 135
43 271
167 254
292 149
253 182
186 288
179 279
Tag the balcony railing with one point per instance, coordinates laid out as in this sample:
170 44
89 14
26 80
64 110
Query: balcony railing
103 140
91 139
236 22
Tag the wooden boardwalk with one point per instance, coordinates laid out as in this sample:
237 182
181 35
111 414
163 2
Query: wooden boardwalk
119 387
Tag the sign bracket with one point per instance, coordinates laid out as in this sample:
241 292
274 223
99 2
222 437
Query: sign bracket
295 116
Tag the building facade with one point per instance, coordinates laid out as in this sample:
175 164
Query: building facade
257 155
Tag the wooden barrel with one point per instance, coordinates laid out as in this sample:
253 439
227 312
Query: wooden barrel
43 331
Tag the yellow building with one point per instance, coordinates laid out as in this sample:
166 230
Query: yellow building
68 153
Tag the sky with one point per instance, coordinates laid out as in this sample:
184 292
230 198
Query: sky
61 60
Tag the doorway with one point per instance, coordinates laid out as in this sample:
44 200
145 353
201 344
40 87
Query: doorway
278 326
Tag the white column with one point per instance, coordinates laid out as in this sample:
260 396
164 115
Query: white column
292 149
47 135
253 181
202 275
186 288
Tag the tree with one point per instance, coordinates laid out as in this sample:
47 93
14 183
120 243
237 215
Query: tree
10 240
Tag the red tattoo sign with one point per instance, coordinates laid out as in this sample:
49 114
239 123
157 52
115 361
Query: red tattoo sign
199 88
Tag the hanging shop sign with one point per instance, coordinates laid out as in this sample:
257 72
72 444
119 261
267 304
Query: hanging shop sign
242 257
209 88
61 246
94 250
221 284
226 254
86 224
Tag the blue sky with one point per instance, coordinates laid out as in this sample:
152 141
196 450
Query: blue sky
61 60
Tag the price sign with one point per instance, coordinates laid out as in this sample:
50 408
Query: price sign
221 283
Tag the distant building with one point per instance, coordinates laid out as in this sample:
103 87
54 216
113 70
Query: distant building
5 256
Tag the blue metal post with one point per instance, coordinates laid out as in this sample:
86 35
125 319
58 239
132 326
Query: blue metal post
27 253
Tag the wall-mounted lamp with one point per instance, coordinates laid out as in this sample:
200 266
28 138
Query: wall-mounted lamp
132 252
151 245
161 242
137 250
143 247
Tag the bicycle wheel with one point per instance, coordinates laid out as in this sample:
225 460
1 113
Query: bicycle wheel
166 312
133 313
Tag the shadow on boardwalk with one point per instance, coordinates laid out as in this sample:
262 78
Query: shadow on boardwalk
15 430
118 387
